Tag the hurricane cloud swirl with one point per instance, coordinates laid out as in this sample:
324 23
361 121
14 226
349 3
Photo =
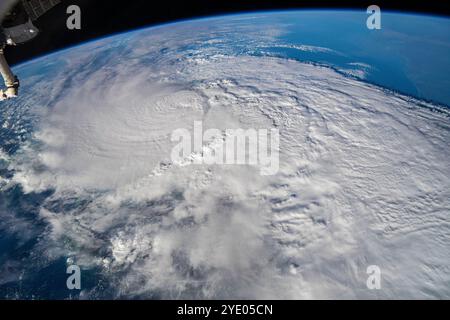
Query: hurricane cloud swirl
364 173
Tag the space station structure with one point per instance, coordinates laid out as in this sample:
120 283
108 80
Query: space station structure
17 27
36 8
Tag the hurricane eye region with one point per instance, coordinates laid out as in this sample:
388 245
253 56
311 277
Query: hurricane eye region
363 178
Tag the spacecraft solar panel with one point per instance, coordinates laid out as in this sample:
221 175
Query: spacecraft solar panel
36 8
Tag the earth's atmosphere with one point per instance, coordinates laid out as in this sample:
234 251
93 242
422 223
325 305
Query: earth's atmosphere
86 175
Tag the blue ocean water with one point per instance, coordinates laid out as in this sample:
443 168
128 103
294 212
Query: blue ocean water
410 54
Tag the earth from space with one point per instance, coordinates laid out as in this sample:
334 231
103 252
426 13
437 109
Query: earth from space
86 176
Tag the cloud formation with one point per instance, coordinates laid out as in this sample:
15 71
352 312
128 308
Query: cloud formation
363 179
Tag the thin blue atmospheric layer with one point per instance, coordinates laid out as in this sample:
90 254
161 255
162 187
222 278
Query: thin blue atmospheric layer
409 54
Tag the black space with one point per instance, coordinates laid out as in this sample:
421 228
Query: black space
104 17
